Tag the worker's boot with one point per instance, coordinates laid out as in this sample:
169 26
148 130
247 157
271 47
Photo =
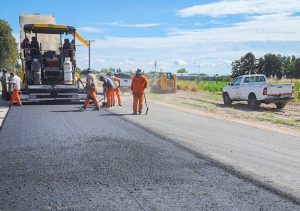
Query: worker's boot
134 113
96 109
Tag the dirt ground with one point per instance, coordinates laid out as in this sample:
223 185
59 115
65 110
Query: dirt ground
285 120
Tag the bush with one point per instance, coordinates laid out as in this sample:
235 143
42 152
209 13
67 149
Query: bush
211 86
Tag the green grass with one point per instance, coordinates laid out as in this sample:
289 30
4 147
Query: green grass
297 90
210 86
284 122
217 86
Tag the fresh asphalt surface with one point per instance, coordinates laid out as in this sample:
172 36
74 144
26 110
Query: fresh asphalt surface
57 157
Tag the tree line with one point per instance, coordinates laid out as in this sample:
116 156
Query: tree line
8 46
271 65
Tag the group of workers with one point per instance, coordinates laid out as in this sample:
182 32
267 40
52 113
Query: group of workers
111 86
68 49
14 86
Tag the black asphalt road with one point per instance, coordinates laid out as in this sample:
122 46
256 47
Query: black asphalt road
56 157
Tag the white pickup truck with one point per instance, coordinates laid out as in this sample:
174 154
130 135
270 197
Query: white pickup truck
255 90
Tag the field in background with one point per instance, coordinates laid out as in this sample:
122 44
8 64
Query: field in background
217 86
211 86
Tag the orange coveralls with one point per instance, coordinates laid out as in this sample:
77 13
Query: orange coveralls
92 95
109 95
117 91
15 97
138 85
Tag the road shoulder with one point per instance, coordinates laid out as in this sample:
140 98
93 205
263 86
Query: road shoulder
237 115
3 111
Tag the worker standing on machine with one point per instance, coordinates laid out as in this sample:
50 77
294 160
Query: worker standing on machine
138 86
92 95
16 87
117 90
108 89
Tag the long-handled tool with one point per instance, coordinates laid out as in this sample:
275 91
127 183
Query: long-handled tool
146 103
104 104
100 100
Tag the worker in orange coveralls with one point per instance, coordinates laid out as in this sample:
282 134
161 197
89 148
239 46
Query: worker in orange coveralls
15 86
138 85
108 89
117 90
92 95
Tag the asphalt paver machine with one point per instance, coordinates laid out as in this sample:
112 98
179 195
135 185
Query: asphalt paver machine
49 63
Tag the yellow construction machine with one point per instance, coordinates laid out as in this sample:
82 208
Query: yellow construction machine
166 82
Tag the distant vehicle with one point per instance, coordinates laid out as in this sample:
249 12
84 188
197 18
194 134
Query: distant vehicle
255 90
125 80
165 83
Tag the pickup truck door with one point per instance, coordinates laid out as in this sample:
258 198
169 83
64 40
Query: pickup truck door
244 88
235 89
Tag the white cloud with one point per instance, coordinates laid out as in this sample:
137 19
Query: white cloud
214 45
213 48
138 25
231 7
90 29
180 62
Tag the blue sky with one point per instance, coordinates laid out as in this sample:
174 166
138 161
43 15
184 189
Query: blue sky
203 36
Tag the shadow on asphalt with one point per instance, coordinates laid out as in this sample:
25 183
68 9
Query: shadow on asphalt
66 111
112 114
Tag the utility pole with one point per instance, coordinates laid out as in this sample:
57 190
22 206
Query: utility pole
90 52
155 65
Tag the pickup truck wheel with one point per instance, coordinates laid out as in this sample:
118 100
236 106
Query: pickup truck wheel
252 101
226 99
280 105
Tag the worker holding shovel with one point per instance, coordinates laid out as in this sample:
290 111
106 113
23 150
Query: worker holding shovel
138 86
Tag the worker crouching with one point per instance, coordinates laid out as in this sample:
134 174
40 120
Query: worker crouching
108 89
16 87
92 95
117 89
138 86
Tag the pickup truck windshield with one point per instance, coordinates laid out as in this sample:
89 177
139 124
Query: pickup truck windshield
237 81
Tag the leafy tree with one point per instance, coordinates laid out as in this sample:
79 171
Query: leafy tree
182 70
272 66
236 68
18 67
246 65
297 68
111 69
104 71
78 69
8 46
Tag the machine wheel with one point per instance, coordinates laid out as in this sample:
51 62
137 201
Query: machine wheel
280 105
252 101
226 99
